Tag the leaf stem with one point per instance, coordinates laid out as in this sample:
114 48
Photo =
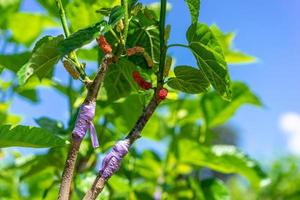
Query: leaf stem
163 47
72 55
177 45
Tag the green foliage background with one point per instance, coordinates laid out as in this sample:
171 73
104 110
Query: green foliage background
201 99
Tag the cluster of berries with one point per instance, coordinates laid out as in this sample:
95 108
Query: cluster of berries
146 85
103 44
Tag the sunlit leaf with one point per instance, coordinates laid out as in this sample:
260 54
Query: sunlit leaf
155 7
26 27
232 56
6 117
83 13
194 7
51 6
88 54
7 9
209 56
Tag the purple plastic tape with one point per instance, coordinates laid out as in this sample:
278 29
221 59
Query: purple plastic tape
84 122
112 161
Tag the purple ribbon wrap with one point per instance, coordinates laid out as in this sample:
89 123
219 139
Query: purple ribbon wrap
112 161
84 122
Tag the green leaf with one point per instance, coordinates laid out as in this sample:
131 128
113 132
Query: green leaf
117 13
236 57
42 162
29 94
7 9
194 7
223 158
232 56
84 13
26 27
79 38
215 189
27 136
133 105
6 117
155 7
197 190
143 31
14 62
118 81
188 80
51 6
217 111
210 59
88 54
43 58
50 125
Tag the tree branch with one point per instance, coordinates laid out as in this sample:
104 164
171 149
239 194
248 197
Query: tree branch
93 89
163 46
67 175
135 133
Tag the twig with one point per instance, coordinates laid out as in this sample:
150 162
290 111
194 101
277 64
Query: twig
133 135
72 55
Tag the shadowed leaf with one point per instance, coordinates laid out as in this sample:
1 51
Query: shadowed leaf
27 136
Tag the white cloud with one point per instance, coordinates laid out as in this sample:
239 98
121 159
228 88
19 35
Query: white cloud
290 124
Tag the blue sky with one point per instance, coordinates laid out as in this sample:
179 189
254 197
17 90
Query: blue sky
269 30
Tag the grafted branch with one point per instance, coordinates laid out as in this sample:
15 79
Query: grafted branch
133 135
93 89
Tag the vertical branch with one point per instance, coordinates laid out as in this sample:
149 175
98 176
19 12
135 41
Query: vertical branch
163 46
69 167
126 20
63 17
